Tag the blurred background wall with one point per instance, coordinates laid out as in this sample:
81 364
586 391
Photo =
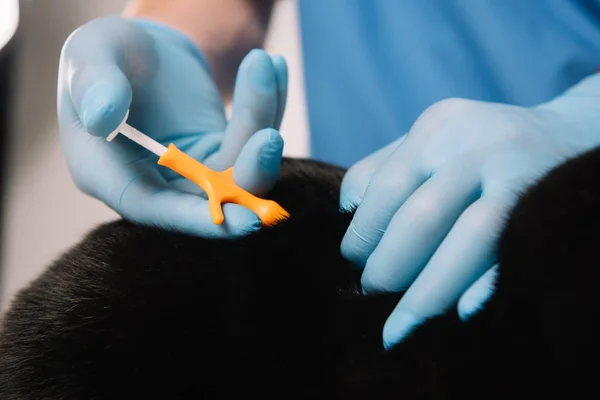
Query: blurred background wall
44 214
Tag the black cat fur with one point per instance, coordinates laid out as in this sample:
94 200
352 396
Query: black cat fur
136 312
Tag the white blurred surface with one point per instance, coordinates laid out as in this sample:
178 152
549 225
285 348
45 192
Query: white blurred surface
9 16
44 213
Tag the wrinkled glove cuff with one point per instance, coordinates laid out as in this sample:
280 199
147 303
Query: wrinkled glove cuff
580 105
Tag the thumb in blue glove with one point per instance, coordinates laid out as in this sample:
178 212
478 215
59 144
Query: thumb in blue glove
110 65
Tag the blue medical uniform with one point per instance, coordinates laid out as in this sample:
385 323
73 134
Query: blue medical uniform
373 66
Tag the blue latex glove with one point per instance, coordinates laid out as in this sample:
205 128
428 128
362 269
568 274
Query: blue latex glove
432 204
110 65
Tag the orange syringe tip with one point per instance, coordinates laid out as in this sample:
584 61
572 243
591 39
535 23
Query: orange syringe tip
220 188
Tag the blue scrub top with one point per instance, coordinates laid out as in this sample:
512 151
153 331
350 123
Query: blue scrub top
373 66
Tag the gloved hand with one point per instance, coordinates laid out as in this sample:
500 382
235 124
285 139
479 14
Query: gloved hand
432 204
110 65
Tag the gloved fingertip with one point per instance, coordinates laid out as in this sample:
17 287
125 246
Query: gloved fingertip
258 164
352 189
374 282
355 248
261 73
467 307
349 201
278 60
281 76
240 219
475 298
398 327
280 66
271 152
103 108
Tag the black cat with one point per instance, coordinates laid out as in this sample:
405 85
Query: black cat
136 312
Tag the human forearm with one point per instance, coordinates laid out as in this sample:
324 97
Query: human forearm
224 30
